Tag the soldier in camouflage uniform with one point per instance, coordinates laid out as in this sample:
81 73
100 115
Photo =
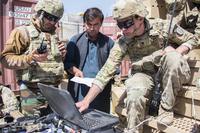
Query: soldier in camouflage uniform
142 41
9 101
31 67
187 14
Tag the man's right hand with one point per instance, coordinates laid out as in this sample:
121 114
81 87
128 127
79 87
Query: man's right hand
93 92
82 105
78 73
39 57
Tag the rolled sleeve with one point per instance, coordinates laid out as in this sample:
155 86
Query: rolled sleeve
188 45
108 70
13 55
183 37
99 84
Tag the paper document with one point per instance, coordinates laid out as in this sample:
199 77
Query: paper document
86 81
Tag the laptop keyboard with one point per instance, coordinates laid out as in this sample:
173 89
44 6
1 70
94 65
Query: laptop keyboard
91 122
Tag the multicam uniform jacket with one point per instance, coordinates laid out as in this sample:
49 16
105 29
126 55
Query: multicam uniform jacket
22 41
144 51
17 55
188 16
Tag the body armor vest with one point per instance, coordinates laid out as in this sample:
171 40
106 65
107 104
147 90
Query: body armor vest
49 71
146 44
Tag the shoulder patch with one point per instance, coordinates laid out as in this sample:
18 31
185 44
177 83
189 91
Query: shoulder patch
178 30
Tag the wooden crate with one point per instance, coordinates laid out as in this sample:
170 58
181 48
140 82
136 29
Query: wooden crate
184 104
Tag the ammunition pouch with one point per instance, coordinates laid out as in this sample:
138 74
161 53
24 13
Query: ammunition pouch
50 72
148 63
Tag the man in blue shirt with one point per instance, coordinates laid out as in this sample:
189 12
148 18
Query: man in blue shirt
87 53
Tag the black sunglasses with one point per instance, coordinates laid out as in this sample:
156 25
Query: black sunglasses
51 17
125 24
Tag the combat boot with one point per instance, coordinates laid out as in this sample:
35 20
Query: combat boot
165 116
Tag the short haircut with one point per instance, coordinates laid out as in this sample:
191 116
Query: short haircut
92 13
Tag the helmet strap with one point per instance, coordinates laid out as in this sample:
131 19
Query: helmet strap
41 19
41 16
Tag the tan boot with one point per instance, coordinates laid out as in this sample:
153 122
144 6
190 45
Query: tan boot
165 116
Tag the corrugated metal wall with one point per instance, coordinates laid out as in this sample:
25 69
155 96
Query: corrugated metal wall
12 13
68 29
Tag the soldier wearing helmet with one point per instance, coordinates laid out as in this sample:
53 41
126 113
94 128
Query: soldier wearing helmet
143 41
186 14
35 52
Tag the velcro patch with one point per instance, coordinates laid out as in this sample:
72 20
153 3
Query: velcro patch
178 30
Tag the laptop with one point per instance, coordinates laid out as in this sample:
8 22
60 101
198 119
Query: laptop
63 105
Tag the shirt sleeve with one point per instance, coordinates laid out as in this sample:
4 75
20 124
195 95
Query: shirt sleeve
13 56
176 34
183 37
108 70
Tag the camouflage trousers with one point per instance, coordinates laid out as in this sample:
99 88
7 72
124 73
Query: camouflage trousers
175 71
32 101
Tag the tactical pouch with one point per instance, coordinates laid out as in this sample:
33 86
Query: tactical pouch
44 72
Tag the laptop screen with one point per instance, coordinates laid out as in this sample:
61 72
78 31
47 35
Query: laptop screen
61 102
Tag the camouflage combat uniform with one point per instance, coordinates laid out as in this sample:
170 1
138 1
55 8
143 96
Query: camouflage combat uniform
187 14
144 51
10 102
16 55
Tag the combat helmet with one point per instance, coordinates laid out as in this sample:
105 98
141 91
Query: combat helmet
53 7
125 8
180 4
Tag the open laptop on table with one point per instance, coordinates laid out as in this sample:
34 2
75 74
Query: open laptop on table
63 104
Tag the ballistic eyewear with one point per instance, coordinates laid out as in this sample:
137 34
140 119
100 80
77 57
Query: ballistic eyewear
125 24
51 17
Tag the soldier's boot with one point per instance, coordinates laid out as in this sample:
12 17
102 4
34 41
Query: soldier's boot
165 116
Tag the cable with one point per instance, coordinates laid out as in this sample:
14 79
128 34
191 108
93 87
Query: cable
141 123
